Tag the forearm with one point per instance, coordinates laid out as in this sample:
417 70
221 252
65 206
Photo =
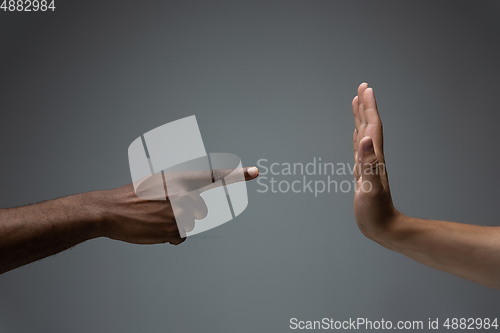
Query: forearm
36 231
469 251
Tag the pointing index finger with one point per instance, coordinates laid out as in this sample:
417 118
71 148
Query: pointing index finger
229 176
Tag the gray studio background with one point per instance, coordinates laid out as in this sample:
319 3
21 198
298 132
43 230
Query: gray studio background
266 79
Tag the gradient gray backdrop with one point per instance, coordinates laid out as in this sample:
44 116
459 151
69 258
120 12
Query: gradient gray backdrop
266 79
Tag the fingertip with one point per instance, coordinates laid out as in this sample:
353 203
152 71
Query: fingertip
361 89
365 148
365 139
367 144
362 86
177 240
368 91
369 98
253 172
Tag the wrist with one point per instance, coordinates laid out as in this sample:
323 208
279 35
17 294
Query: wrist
92 206
395 231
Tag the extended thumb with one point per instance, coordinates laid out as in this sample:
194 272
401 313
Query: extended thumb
369 165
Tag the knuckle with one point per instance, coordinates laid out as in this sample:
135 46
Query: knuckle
216 175
370 163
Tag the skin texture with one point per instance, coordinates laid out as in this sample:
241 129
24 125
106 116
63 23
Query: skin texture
469 251
40 230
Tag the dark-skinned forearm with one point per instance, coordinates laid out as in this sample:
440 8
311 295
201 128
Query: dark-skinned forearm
469 251
33 232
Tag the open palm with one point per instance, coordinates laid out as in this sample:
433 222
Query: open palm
373 206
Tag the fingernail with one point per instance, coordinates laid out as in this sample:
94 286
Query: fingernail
368 145
253 172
